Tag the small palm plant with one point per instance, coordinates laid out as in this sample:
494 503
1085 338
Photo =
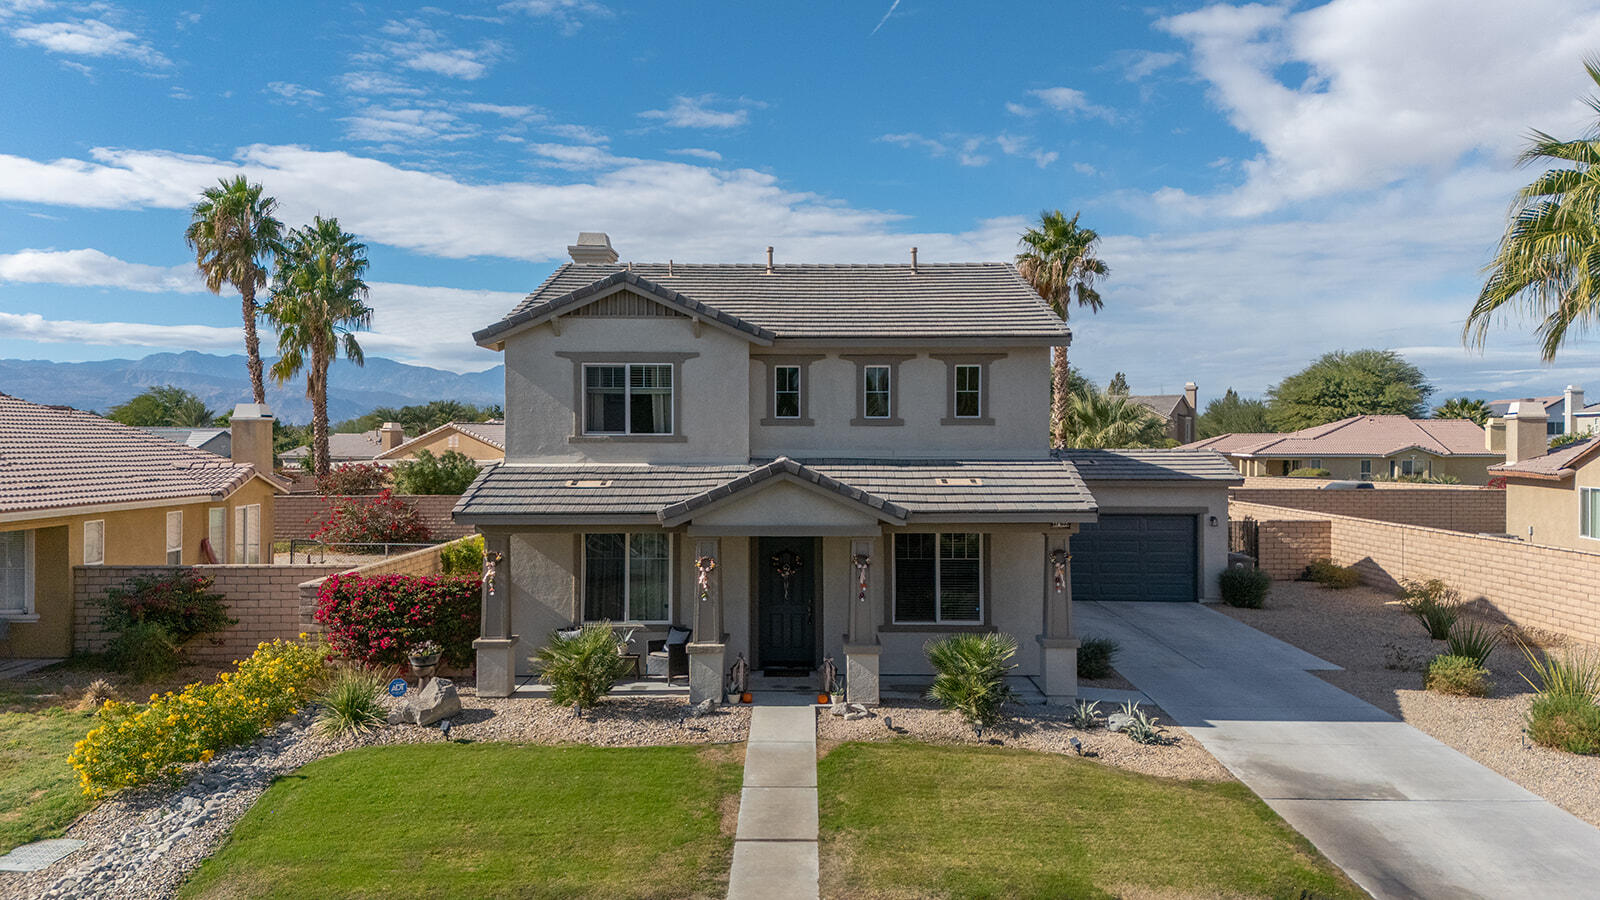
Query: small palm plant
970 675
581 668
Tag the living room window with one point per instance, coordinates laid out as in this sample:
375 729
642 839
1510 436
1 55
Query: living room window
1589 512
632 398
627 577
938 578
16 573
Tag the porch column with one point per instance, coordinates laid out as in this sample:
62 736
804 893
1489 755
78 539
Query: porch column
861 648
707 655
497 665
1058 647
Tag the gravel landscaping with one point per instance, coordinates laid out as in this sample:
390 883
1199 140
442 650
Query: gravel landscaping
1383 651
144 842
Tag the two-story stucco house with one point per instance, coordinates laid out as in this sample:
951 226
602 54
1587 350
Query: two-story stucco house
810 461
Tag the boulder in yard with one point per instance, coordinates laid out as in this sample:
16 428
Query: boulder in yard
437 700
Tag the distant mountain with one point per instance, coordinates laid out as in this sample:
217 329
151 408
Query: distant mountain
222 381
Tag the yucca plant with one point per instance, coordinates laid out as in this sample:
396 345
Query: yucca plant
970 675
1433 603
1473 641
350 702
1568 675
582 668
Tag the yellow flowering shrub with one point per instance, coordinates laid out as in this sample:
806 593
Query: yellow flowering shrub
132 743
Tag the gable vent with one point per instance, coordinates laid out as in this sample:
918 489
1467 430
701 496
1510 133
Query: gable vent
627 305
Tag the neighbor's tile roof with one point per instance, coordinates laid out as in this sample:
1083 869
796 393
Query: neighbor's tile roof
1230 443
835 301
1557 464
1151 465
347 447
1501 407
193 437
491 433
1362 436
54 457
1163 405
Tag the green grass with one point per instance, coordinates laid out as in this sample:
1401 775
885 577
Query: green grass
485 820
904 819
39 792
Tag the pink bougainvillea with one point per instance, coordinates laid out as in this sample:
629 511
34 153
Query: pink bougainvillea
383 519
374 620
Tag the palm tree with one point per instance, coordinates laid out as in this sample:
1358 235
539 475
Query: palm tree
317 305
1095 419
1463 408
235 236
1058 260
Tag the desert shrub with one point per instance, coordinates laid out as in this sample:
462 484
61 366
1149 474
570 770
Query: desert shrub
372 620
1330 574
970 675
146 651
384 519
462 557
581 668
350 701
1567 675
97 693
133 743
451 473
1094 657
1086 714
1433 603
349 479
1566 722
1418 479
1310 473
1459 675
1139 726
1245 588
152 617
1473 641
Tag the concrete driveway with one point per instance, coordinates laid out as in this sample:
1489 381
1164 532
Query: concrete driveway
1403 814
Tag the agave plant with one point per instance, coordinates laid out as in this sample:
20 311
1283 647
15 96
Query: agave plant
970 675
581 668
1473 641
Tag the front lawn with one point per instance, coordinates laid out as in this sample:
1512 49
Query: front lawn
905 819
486 820
39 792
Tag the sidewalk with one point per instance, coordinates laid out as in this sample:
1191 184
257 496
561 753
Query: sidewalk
775 846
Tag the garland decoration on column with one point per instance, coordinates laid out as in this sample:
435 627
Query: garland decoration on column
705 564
1059 560
862 563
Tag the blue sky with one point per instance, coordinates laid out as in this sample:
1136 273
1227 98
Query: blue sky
1271 181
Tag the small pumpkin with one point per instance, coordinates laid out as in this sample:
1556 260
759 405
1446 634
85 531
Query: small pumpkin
747 697
824 699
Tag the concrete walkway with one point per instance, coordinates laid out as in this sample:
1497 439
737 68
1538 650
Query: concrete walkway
775 847
1403 814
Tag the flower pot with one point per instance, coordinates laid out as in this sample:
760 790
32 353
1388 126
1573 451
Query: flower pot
421 662
747 697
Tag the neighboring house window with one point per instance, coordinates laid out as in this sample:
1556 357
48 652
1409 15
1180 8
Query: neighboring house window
1589 512
1316 464
1554 426
627 577
1366 468
938 578
786 392
628 399
217 532
247 534
16 573
94 542
969 392
875 392
175 538
877 388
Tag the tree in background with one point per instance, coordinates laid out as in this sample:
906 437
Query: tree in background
235 237
451 473
1058 261
1232 414
1548 261
165 405
318 303
1463 408
1343 384
1096 419
423 417
1118 385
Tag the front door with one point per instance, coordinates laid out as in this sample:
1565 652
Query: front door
786 578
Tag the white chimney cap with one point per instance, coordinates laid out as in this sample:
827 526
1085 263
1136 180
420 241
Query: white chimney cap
592 247
252 411
1526 408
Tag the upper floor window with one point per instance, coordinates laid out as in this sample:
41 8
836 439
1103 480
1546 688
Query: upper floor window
967 387
938 578
875 392
786 392
877 387
628 399
969 391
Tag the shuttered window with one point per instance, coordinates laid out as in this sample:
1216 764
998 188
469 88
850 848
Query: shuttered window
938 578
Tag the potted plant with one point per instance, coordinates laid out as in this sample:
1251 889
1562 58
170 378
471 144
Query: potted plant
424 659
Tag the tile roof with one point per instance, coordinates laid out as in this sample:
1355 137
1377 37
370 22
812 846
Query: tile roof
684 509
491 433
1163 405
199 438
1556 465
54 458
829 301
1036 489
1501 407
1229 443
346 447
1363 436
1151 465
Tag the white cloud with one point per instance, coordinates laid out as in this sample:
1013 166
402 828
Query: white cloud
568 15
90 37
406 125
34 327
1137 65
697 153
291 93
697 112
967 149
583 134
1070 101
365 83
1015 145
412 44
93 268
1083 168
503 111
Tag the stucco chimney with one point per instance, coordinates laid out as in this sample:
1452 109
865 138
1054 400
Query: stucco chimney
1494 435
1191 393
592 248
1525 431
1573 405
250 433
391 435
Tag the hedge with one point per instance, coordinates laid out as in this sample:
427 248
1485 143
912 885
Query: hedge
372 620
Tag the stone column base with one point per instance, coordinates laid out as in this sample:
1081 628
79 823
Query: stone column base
1058 668
706 672
861 673
497 666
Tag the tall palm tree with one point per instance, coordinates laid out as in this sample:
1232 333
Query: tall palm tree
235 237
1058 259
1096 419
1548 261
318 303
1476 411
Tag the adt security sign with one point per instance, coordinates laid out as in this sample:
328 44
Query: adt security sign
397 687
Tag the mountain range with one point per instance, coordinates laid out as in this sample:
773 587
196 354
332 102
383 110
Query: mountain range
222 381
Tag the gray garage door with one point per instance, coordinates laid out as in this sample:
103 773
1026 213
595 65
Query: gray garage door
1135 558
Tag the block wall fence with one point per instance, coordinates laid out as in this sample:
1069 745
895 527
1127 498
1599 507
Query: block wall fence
298 516
1475 510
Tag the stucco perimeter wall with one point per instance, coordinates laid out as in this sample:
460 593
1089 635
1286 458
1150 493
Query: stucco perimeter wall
1530 584
298 516
1475 510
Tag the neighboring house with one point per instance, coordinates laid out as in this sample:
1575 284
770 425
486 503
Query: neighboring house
1555 409
351 447
1178 411
1552 497
859 449
1365 447
483 441
77 489
211 439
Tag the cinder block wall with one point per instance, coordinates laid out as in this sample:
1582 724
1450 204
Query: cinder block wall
1530 584
1475 510
417 562
298 516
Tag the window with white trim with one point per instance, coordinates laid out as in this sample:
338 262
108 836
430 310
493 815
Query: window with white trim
1366 468
938 578
627 577
786 392
875 391
1589 512
217 532
175 537
16 573
969 391
247 534
94 542
633 398
1316 464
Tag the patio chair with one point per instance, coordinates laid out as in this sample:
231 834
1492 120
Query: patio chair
674 650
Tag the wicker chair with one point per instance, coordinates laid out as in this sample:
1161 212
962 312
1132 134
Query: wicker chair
675 649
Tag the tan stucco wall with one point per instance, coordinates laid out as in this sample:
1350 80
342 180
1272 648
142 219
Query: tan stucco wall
1471 470
439 445
1551 510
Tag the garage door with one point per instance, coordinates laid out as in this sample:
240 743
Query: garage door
1135 558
